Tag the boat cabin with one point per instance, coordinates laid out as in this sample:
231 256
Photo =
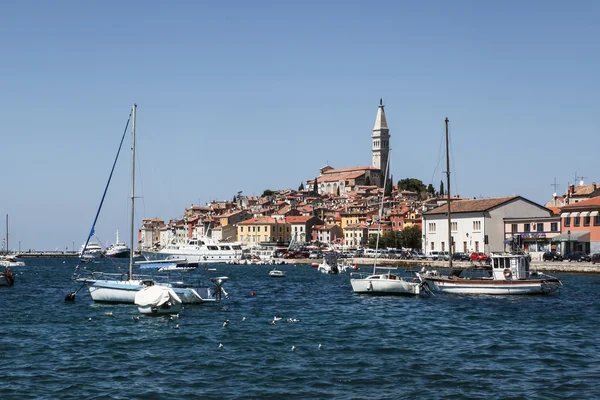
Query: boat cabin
508 267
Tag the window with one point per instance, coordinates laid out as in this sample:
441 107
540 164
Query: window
567 221
443 246
554 227
476 225
586 221
527 228
464 247
431 226
432 244
596 220
477 246
454 226
576 221
540 227
513 228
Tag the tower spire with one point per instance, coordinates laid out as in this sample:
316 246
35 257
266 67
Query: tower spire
381 143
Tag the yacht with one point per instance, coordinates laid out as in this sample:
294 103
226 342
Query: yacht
118 250
204 250
93 250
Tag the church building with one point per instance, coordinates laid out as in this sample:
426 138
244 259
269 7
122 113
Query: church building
332 180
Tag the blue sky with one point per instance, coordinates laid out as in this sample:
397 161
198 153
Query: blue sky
249 96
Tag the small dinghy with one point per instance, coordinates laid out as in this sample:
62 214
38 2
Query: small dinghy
275 273
156 300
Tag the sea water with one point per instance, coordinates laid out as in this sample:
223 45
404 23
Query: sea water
439 347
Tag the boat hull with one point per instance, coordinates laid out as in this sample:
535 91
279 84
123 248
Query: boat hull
491 287
194 257
398 287
125 291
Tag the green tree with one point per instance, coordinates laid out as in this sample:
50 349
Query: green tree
267 192
441 188
338 191
411 237
412 184
301 187
315 187
431 190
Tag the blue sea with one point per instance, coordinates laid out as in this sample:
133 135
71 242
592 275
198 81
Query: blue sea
441 347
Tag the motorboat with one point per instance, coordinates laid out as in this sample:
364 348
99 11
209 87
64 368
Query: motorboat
510 275
157 300
275 273
91 251
118 249
204 250
329 265
385 283
10 260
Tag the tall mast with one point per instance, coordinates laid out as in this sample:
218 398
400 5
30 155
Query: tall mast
132 193
6 233
448 191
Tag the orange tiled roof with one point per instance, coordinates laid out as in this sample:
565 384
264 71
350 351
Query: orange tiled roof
475 205
593 202
298 219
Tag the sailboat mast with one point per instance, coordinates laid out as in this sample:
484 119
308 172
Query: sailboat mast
132 192
448 192
6 233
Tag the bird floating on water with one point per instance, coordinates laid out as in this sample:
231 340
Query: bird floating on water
225 323
293 320
276 318
135 318
221 346
272 323
293 348
320 346
89 320
176 326
243 318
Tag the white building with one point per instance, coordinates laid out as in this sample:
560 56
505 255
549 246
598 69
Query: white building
476 225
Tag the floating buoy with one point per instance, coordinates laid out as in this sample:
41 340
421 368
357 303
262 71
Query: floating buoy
315 265
252 294
355 266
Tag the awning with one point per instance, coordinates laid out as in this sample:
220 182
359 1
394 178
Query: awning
574 214
594 214
584 214
580 236
564 215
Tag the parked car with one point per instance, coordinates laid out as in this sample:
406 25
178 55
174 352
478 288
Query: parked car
595 258
442 256
578 256
552 256
417 255
460 256
433 254
476 256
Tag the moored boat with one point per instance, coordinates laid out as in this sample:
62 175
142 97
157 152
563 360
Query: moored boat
275 273
118 249
157 300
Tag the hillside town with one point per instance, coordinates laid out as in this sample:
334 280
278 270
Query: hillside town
339 209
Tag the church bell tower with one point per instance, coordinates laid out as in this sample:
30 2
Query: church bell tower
381 143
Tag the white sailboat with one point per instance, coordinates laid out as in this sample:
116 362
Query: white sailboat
9 260
122 288
510 273
384 282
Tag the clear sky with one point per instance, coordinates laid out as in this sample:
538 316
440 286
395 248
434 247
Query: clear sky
253 95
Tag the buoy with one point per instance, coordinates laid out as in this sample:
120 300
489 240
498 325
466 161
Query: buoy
252 294
355 266
315 265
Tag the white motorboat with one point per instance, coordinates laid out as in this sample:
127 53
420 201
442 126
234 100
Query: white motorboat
10 260
118 249
384 283
157 300
275 273
91 251
329 265
204 250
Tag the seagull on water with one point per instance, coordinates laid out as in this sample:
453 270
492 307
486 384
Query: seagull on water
293 320
243 318
89 320
272 323
135 318
320 346
276 318
221 346
293 348
176 326
225 323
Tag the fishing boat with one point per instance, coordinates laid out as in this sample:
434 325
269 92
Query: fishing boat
122 288
8 260
158 300
275 273
510 273
382 281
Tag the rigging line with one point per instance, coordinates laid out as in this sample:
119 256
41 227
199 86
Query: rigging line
440 152
92 231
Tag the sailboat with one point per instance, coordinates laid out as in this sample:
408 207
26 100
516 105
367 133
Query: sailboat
510 273
122 288
384 283
9 260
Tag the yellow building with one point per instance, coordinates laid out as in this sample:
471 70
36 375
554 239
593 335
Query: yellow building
263 229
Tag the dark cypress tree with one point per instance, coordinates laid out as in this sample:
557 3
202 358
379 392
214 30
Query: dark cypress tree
441 188
301 187
315 187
